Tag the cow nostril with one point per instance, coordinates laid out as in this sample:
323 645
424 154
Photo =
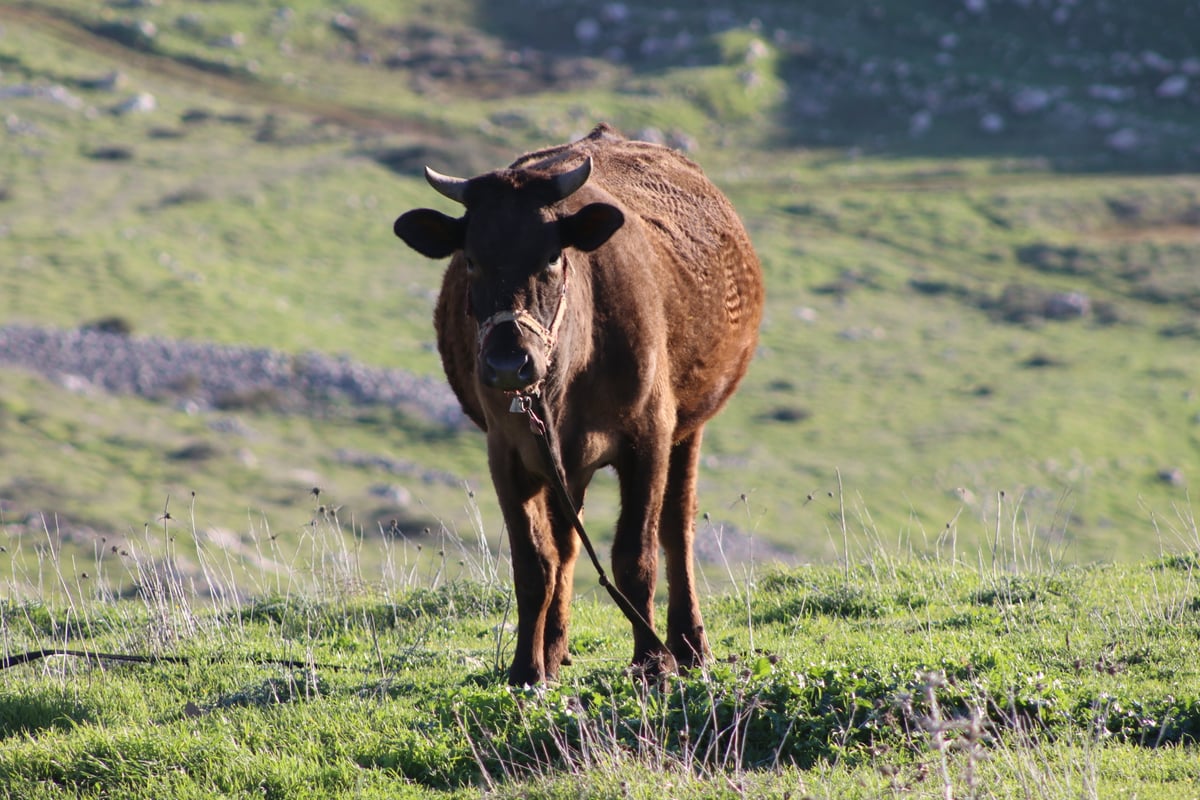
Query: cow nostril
508 371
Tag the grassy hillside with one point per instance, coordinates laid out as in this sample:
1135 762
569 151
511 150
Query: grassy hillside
979 223
892 677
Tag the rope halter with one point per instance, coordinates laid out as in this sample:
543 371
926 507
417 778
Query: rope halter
528 323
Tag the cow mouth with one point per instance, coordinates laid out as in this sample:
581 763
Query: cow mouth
509 369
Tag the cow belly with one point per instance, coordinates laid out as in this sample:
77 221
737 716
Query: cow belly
590 450
704 388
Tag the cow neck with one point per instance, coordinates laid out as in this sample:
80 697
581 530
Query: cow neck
527 321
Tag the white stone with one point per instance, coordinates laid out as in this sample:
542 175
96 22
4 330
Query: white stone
991 122
1104 119
615 12
757 50
1124 140
920 122
1157 62
233 41
1174 86
805 314
1030 100
587 30
1110 94
140 103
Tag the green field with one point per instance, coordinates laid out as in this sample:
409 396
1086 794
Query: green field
890 677
970 432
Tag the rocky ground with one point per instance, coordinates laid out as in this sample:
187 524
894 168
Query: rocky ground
202 375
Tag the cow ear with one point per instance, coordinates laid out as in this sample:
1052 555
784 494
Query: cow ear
591 226
431 233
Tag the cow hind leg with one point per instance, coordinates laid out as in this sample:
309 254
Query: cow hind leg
685 628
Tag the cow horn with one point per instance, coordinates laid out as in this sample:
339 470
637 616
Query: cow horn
569 182
453 188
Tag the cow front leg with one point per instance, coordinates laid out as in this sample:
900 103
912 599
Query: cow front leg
558 615
568 543
642 470
535 572
536 566
685 628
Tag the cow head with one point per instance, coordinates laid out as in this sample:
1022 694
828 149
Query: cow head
513 244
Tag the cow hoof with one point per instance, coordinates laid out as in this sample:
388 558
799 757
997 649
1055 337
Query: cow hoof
690 649
525 676
652 667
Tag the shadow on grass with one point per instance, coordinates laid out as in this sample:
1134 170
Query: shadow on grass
26 716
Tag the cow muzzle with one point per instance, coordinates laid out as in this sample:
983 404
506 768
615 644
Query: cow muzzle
509 372
514 351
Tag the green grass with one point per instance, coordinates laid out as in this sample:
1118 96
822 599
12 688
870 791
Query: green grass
892 676
900 353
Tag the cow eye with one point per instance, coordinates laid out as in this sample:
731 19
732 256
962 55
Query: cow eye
472 269
555 262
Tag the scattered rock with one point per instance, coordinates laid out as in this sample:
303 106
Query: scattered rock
614 13
1157 62
863 333
233 41
1172 476
1030 101
681 141
137 34
1172 87
1125 140
1067 305
1025 303
992 123
142 102
920 123
109 82
1105 119
393 493
55 93
212 375
651 135
396 466
345 25
470 62
587 31
756 51
1111 94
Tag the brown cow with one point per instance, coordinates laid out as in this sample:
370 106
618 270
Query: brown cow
614 280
